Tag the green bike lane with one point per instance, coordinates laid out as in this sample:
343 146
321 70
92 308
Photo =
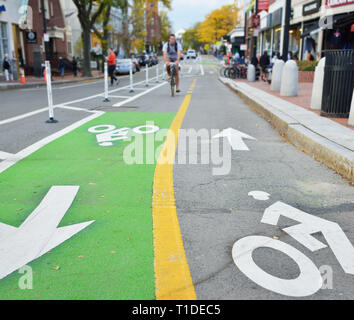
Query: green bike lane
113 257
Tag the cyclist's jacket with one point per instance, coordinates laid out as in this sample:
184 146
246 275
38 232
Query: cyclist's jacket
172 50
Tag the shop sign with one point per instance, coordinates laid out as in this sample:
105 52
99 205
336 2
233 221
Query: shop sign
311 7
243 47
2 8
31 37
256 20
263 5
338 3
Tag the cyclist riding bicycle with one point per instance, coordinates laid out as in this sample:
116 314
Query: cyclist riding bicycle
172 51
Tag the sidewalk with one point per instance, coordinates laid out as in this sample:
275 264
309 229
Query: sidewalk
302 100
329 141
32 81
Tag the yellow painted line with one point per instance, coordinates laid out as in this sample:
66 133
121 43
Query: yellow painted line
214 69
173 280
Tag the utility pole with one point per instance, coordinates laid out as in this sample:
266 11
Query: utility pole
286 30
46 43
255 38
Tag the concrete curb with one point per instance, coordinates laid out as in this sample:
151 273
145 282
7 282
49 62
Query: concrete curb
319 147
43 84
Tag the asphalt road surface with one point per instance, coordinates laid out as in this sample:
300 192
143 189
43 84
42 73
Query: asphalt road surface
231 220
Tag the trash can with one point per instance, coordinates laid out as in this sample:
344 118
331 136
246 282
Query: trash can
338 83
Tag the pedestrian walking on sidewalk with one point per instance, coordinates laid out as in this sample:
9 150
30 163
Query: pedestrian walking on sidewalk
74 62
264 63
111 60
6 67
62 65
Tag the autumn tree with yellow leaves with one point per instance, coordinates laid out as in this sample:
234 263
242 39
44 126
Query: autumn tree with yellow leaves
217 24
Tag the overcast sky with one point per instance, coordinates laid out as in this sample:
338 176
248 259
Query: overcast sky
185 13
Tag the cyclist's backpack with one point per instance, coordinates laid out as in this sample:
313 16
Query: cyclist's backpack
168 47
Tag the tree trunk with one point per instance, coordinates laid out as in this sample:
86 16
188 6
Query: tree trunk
87 48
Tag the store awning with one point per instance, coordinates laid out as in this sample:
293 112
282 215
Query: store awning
343 20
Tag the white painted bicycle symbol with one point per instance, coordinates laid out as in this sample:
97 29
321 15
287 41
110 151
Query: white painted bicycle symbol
107 133
309 281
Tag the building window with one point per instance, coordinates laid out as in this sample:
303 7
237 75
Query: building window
267 41
276 41
47 15
4 44
69 48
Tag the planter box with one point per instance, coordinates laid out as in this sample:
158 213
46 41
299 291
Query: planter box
306 76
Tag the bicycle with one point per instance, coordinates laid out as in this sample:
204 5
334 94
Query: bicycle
173 80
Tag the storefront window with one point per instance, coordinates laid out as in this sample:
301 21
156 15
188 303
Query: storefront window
342 38
258 45
294 42
267 41
276 41
310 47
3 41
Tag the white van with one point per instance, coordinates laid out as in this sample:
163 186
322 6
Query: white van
191 54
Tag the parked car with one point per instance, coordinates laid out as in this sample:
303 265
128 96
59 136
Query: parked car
143 60
123 66
154 60
136 62
191 54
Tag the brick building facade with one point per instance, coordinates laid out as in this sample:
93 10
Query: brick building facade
35 49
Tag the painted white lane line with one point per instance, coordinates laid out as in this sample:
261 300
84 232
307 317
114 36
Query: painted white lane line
29 114
259 195
78 85
201 69
109 92
76 109
22 116
139 95
4 155
120 97
39 144
190 69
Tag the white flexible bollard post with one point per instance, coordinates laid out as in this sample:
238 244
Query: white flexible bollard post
131 77
351 112
251 73
276 75
157 73
105 82
147 75
317 88
164 72
289 79
50 93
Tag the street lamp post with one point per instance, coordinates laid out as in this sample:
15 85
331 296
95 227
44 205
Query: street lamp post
46 43
286 30
254 37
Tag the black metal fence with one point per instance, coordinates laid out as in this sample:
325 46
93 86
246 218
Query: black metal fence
338 83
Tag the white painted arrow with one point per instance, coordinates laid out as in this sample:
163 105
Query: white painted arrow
38 233
235 138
